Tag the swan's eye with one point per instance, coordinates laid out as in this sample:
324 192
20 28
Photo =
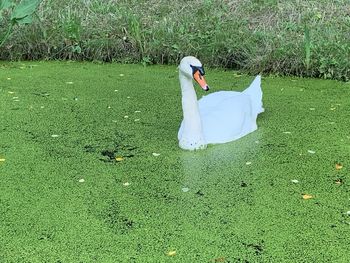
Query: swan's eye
196 68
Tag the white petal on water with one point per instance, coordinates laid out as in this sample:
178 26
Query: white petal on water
311 151
287 132
185 189
55 135
126 184
248 163
156 154
295 181
81 180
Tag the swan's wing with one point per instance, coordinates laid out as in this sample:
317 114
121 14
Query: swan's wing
228 120
214 99
255 93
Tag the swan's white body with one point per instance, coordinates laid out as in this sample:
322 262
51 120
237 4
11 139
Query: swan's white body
219 117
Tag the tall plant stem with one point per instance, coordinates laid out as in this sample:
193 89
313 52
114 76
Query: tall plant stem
8 33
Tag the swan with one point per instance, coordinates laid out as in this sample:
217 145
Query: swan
219 117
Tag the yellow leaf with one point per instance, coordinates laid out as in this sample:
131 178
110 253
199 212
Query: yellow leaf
2 160
171 253
119 158
338 166
306 196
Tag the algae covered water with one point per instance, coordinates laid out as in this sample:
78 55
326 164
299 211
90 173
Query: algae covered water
91 171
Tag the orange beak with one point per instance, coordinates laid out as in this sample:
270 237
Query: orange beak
200 80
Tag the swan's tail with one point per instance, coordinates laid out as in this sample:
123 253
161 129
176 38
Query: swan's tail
255 93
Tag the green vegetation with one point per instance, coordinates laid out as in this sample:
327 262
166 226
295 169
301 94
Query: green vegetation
62 122
19 14
302 38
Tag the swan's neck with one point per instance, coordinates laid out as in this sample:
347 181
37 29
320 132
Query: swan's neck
192 135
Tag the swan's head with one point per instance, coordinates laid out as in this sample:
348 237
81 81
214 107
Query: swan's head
192 68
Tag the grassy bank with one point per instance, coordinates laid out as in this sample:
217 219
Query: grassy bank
303 38
64 197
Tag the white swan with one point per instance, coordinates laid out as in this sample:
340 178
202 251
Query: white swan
219 117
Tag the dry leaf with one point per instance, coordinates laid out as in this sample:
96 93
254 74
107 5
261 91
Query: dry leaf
338 181
171 253
306 196
338 166
119 158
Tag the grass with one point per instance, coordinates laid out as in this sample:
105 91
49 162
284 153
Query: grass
63 121
301 38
